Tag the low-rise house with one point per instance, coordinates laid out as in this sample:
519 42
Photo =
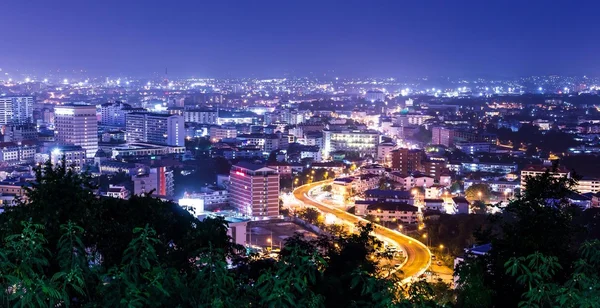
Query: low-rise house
399 212
460 205
378 195
115 191
434 205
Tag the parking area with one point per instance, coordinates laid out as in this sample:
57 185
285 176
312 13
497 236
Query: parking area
273 233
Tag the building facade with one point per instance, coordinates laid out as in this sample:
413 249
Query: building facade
74 156
114 114
77 125
155 128
16 109
535 170
397 212
407 161
254 190
363 142
442 135
201 116
17 152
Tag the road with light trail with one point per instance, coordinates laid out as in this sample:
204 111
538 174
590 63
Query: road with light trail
418 255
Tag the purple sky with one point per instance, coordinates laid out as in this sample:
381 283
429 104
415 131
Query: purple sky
271 38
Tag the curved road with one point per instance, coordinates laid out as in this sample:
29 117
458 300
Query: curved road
418 256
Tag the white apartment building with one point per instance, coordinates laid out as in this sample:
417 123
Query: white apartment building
363 142
201 116
218 133
114 114
77 125
74 156
535 170
16 109
17 152
588 185
155 128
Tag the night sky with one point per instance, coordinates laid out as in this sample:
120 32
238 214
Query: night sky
271 38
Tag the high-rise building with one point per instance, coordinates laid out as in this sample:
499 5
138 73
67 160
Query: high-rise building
201 116
16 109
384 151
155 128
77 125
254 190
407 161
442 135
375 96
113 114
434 166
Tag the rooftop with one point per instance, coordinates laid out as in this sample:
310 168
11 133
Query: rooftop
398 194
392 206
544 168
250 166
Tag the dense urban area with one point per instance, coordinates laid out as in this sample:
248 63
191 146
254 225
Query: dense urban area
299 192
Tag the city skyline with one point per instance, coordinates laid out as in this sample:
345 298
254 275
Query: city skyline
243 39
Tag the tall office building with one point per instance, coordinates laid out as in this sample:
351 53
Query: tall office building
16 109
407 161
155 128
77 125
254 190
113 114
442 135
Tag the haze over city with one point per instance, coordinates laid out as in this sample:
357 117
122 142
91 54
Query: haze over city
300 38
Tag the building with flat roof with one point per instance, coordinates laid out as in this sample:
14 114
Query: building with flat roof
145 149
158 128
18 152
75 156
363 142
157 180
16 109
380 195
407 161
254 190
201 116
535 170
77 125
398 212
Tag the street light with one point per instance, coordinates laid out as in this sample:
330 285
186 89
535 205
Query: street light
442 247
270 243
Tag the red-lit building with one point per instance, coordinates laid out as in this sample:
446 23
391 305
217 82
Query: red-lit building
254 189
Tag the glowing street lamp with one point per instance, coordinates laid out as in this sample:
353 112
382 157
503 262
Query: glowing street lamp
270 243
